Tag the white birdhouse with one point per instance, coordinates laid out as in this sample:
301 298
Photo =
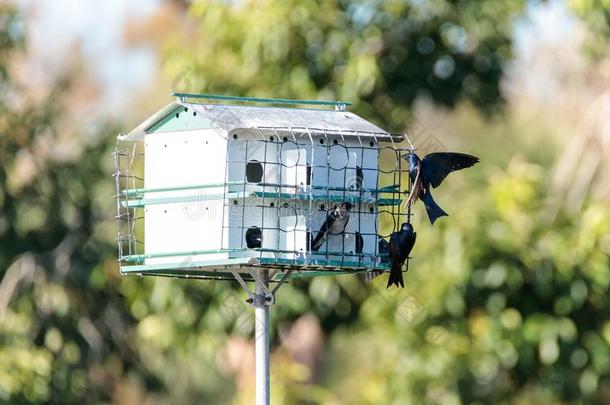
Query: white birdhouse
205 190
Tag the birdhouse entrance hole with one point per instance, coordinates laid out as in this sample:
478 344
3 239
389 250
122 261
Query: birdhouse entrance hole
254 172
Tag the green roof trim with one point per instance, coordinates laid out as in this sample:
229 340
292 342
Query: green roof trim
183 96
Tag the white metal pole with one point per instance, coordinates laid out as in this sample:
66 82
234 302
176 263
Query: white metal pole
261 338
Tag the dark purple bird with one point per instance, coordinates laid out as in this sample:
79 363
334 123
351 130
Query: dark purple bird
335 224
431 171
401 244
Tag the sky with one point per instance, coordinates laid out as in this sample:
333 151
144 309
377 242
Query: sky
97 26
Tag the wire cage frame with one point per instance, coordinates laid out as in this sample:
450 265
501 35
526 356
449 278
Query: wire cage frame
280 182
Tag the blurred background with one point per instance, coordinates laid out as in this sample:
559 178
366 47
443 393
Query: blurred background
506 300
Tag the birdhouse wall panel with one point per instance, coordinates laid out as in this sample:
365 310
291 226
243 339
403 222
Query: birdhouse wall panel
193 220
366 225
180 159
293 159
241 217
293 237
369 162
249 148
174 228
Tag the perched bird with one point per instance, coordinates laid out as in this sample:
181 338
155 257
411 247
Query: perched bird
254 237
335 224
431 171
384 257
401 243
359 178
359 242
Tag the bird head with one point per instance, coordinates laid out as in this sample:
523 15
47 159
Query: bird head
412 158
406 227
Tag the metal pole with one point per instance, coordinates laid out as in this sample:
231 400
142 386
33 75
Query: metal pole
261 337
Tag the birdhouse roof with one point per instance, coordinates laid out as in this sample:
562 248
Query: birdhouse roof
232 118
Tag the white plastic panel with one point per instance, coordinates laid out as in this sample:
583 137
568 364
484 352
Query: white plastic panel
179 159
183 228
241 217
293 158
249 147
293 236
336 165
174 159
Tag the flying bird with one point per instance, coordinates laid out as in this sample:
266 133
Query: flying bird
401 244
335 224
254 237
431 171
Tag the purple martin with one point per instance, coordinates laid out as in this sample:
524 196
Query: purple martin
431 171
401 244
335 224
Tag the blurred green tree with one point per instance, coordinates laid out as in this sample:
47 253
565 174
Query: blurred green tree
502 304
61 327
382 55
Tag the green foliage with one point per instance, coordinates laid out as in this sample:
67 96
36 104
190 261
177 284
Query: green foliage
517 310
381 54
504 301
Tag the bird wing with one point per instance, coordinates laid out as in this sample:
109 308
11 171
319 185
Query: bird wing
413 242
322 232
436 166
394 245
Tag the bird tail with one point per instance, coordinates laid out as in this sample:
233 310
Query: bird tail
395 277
432 208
